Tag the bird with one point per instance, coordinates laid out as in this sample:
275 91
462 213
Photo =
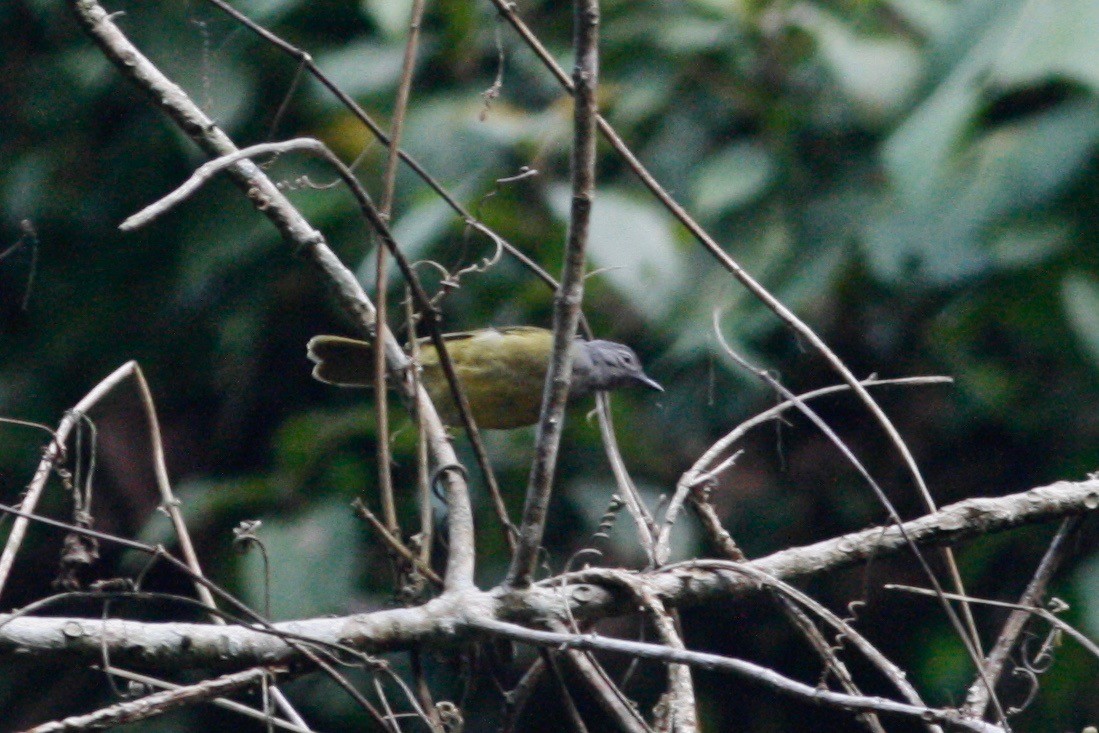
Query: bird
501 369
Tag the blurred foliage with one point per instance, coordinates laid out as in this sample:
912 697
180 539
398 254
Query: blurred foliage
916 178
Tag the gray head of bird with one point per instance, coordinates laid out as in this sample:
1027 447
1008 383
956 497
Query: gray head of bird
606 365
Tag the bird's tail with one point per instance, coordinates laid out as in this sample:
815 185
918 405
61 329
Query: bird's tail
341 361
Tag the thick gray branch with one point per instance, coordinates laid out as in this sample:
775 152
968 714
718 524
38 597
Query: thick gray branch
586 594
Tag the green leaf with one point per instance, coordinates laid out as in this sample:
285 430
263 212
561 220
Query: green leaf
1050 40
734 177
361 68
391 16
634 247
946 226
878 74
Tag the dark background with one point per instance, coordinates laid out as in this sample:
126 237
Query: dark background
916 180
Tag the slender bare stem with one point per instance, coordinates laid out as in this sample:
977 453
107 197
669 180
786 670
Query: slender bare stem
739 667
1043 613
571 711
395 544
220 702
157 703
507 10
647 530
423 473
567 301
704 470
54 452
977 698
381 275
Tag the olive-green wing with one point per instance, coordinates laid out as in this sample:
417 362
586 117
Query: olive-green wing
488 347
501 369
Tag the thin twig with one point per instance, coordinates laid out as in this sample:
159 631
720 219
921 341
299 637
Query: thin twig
702 470
54 453
517 697
717 663
381 274
567 300
711 526
426 536
970 643
571 712
508 10
236 707
977 698
296 229
395 544
423 691
1042 613
607 694
158 703
647 530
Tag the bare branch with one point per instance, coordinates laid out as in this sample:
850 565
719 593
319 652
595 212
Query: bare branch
507 10
158 703
614 703
703 470
978 696
296 230
220 702
53 454
570 294
583 594
739 667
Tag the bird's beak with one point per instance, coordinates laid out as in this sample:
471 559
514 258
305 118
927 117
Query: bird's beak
649 382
